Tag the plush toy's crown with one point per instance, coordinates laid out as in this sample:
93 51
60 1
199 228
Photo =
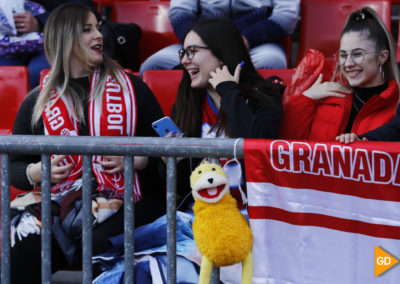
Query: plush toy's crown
209 182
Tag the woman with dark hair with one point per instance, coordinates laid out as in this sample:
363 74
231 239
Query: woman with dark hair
84 93
366 99
221 94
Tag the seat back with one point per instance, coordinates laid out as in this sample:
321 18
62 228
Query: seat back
285 74
152 17
165 83
323 21
14 86
287 45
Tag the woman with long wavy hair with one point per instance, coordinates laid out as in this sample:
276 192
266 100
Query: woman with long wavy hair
84 93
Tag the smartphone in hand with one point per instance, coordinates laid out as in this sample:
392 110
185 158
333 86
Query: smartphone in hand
164 126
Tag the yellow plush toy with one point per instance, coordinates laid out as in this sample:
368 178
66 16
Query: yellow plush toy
220 231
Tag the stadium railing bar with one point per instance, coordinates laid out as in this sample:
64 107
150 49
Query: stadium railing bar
88 146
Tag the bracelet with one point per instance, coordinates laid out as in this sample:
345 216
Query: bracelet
31 182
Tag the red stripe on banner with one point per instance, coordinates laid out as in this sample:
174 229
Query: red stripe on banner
367 170
324 221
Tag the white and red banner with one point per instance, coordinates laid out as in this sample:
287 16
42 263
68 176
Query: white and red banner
318 210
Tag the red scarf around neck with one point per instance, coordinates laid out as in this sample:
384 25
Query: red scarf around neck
115 115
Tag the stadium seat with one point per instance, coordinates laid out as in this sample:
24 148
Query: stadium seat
322 22
152 17
287 45
165 83
14 86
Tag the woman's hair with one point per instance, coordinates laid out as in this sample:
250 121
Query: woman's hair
225 41
64 27
367 21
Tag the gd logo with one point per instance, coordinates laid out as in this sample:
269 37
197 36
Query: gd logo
384 261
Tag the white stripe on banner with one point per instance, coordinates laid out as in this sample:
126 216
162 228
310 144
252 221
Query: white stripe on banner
326 203
284 253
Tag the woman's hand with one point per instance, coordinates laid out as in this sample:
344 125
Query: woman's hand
58 173
26 23
323 90
140 162
348 138
115 164
222 75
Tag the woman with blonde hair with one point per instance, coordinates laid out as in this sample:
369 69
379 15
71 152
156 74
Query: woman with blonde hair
368 96
84 93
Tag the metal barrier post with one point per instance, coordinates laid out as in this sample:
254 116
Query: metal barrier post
214 275
119 146
129 222
86 219
46 219
171 220
5 220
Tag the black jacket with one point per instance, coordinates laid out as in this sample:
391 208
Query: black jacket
247 118
387 132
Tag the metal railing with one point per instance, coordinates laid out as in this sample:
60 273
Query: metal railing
88 146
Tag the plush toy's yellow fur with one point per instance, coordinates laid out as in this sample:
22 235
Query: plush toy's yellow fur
221 232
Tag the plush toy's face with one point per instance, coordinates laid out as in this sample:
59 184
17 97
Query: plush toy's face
209 182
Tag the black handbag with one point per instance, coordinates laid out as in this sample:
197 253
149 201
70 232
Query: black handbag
121 43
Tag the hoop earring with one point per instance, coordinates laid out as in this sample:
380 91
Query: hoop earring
382 72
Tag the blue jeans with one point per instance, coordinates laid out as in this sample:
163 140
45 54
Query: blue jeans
36 63
263 56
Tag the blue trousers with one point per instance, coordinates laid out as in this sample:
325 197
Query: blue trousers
264 56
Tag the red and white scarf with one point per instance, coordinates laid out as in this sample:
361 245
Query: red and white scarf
117 117
232 170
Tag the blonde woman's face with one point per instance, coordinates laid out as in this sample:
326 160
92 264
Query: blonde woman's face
92 43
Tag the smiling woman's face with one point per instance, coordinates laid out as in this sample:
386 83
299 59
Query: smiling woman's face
202 63
365 73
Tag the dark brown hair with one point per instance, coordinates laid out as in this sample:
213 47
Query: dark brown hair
225 41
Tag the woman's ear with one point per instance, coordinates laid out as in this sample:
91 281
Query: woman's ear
383 56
